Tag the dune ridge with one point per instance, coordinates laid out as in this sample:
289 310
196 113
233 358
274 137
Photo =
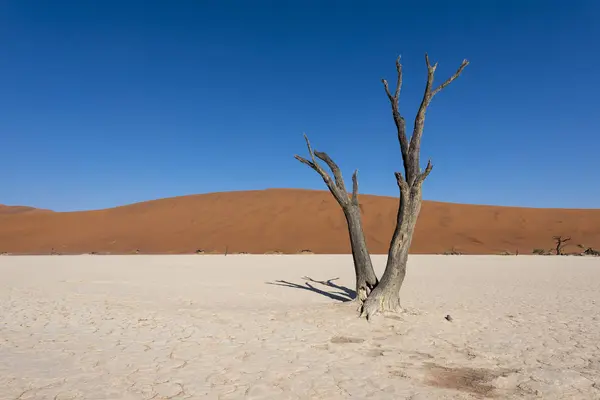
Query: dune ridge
287 221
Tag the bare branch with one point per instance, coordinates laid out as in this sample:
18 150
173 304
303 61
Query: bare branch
355 188
451 79
314 164
424 174
429 66
561 239
394 99
402 184
399 79
412 172
305 161
415 140
387 91
318 169
398 119
336 187
337 173
310 150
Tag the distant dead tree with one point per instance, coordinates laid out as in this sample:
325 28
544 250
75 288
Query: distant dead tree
560 243
588 251
376 296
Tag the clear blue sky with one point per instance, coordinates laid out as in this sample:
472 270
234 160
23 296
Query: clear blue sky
105 103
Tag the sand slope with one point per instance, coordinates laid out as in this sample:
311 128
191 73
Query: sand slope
289 221
5 210
215 327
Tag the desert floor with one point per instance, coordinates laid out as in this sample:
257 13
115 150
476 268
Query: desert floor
227 327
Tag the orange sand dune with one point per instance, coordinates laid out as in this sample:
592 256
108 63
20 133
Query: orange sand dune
286 220
19 209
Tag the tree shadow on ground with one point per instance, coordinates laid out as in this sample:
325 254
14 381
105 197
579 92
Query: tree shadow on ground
342 293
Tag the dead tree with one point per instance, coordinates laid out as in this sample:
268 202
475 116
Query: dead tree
586 250
385 296
366 279
560 244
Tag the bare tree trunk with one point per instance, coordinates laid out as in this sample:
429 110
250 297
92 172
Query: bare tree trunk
386 296
366 279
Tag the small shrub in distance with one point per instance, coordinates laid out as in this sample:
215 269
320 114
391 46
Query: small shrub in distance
452 252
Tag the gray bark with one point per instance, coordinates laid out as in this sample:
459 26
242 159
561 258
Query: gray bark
366 279
386 296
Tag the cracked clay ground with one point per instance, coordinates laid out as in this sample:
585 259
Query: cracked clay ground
242 327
